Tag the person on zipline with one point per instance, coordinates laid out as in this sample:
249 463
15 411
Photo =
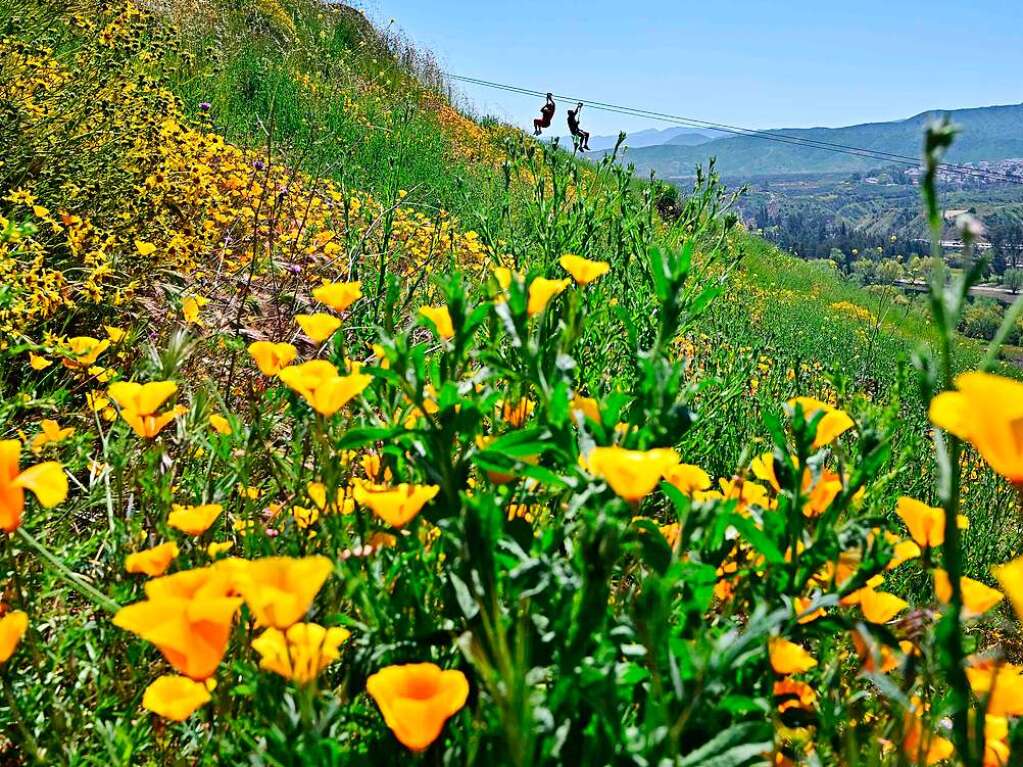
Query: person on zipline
546 115
583 144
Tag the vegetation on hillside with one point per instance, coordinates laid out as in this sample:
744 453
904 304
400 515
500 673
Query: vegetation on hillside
338 428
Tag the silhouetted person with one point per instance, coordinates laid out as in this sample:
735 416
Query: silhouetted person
546 115
583 143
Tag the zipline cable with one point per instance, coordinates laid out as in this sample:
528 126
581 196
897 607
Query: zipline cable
875 154
780 138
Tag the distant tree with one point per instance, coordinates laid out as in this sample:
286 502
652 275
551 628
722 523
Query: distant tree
981 319
920 267
890 271
838 256
864 271
1013 280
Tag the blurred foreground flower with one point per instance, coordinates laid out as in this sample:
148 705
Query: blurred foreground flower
188 616
12 628
986 411
47 482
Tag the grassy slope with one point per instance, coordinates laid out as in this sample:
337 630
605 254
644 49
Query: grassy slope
329 96
330 92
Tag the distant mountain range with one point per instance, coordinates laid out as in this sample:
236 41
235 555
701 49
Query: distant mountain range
988 134
652 137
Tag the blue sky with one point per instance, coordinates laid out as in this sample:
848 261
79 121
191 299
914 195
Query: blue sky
751 63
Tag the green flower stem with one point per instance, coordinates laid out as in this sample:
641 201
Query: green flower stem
72 578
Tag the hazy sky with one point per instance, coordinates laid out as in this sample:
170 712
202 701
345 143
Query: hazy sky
751 63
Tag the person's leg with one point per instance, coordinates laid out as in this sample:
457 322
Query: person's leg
536 127
586 140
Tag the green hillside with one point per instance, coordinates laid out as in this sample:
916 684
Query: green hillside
988 133
340 427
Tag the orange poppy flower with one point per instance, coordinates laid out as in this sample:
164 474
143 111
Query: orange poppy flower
541 291
188 616
632 474
441 319
417 699
583 270
194 520
926 524
12 628
220 424
833 424
139 403
280 590
152 562
789 658
301 652
986 411
688 478
319 384
338 295
47 482
977 597
83 351
272 358
397 506
50 434
175 697
319 327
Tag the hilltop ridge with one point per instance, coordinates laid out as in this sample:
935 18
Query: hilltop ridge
988 134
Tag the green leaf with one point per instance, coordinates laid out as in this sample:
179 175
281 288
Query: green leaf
356 438
731 747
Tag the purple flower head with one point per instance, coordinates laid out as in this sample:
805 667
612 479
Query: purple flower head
259 165
205 106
